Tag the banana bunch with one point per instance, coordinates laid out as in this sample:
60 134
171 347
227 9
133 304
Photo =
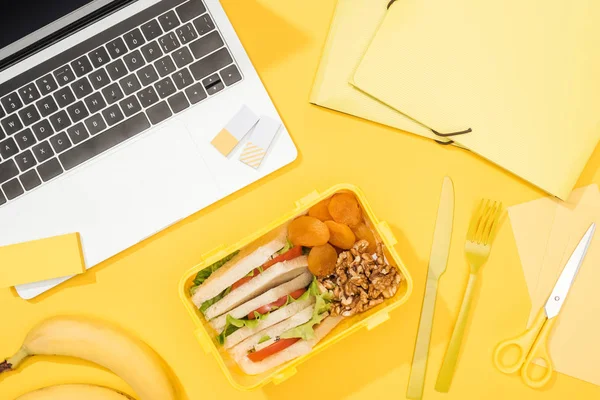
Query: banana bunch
95 341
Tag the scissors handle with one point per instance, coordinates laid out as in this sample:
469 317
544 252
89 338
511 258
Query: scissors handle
532 345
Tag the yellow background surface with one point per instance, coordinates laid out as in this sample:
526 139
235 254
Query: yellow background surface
401 175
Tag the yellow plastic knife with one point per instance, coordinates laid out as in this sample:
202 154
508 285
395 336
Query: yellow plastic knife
437 266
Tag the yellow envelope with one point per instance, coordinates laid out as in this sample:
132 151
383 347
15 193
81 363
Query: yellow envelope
522 76
353 26
42 259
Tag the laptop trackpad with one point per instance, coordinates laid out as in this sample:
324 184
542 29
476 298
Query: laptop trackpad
118 199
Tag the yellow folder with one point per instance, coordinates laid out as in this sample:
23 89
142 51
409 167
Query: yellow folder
522 76
41 259
353 26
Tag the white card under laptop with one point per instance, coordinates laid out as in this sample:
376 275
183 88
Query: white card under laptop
107 132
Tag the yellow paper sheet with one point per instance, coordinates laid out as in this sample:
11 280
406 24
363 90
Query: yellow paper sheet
522 75
352 28
573 345
42 259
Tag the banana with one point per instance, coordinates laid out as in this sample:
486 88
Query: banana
92 340
74 392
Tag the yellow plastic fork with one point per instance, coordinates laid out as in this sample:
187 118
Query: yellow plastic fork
477 248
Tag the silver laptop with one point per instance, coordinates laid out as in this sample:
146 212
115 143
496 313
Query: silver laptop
107 111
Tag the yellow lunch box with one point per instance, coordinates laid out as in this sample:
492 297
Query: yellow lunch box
370 319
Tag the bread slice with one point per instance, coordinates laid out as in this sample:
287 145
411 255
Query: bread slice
252 256
274 276
273 318
242 349
296 350
268 297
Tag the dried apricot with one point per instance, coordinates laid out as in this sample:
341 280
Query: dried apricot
363 232
344 209
308 231
322 260
340 235
320 210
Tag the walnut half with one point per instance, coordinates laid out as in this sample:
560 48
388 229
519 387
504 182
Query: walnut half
361 280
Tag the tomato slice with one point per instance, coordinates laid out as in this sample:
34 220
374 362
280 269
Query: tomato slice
277 303
287 256
276 347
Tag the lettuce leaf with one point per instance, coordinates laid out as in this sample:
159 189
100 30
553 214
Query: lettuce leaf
203 275
264 339
212 301
232 324
322 306
286 248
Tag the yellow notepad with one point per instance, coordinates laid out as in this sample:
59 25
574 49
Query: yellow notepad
41 259
352 28
522 75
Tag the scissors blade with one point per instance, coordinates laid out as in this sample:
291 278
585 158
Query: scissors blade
568 274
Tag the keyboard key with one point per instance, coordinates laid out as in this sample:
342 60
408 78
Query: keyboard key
206 44
95 102
11 103
81 66
168 21
134 39
29 115
182 78
2 113
147 96
130 84
60 120
99 57
186 33
169 42
130 106
182 57
204 24
113 114
95 124
25 160
134 60
25 139
30 180
196 93
12 124
60 142
116 69
231 75
42 130
43 151
12 189
151 51
178 102
190 9
46 84
82 87
2 134
210 64
159 112
99 79
214 87
116 48
151 30
29 93
112 93
165 66
8 170
50 169
64 75
47 106
8 148
64 97
147 75
77 112
165 87
104 141
2 198
78 133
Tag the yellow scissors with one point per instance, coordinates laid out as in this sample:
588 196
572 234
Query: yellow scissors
533 343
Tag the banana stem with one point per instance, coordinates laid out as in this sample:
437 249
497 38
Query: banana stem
14 361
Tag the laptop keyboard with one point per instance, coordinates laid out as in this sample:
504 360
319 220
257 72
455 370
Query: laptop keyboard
108 89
